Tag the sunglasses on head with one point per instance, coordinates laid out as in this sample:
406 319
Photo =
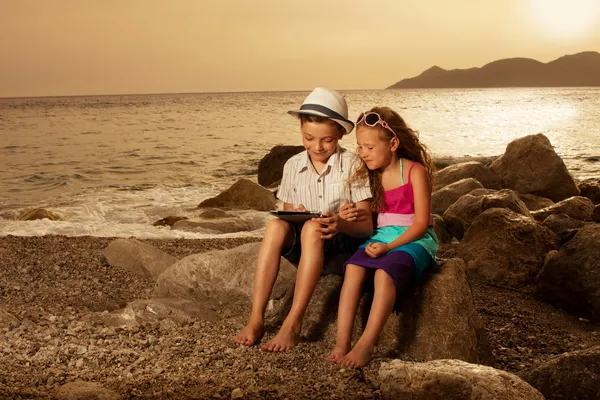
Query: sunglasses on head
372 119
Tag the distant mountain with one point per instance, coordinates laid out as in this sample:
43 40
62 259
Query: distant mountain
582 69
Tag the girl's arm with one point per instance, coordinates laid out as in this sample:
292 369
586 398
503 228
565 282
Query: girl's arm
362 226
422 192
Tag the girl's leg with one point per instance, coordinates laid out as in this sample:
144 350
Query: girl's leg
278 235
309 271
349 299
383 303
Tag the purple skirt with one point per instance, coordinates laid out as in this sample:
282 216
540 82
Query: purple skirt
399 265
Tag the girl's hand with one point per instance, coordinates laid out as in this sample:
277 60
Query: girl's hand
376 249
329 225
300 208
348 211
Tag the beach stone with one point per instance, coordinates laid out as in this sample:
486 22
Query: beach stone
270 167
39 213
470 169
220 275
576 207
7 320
441 321
440 229
81 390
459 216
441 162
168 221
571 276
215 213
590 188
448 195
451 380
573 375
562 225
534 202
213 226
505 248
245 195
530 165
137 257
596 214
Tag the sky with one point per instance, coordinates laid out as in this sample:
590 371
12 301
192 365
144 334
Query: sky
86 47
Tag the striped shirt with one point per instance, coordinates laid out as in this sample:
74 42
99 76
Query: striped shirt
325 192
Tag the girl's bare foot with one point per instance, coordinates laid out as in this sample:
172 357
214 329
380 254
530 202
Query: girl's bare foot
337 354
249 335
360 356
285 340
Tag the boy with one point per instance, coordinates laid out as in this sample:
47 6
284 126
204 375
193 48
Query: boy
315 180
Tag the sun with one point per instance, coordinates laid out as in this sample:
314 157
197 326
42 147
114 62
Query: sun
566 19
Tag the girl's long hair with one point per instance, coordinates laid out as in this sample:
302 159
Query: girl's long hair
410 148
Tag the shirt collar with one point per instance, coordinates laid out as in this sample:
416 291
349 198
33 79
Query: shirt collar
333 160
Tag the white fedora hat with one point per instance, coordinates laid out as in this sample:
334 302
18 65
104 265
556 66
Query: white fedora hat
326 103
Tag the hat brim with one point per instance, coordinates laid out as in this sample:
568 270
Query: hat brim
346 124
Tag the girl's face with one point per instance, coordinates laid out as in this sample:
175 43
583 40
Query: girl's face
320 140
375 152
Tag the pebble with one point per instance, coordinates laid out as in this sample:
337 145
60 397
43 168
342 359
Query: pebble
237 393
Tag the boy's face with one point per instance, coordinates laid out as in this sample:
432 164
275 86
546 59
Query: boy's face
320 140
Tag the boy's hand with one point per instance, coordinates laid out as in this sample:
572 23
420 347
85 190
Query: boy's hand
300 208
348 211
329 225
376 249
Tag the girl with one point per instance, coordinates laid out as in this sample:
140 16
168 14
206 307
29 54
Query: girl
399 170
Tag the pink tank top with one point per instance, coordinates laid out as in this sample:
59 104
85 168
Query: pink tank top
400 200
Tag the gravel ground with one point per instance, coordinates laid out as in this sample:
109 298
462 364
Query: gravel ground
51 283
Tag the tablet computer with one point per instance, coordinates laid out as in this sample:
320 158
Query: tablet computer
295 216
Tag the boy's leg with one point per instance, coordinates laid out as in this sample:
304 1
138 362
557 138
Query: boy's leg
383 303
309 271
278 235
349 299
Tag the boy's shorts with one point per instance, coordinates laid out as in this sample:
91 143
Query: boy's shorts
336 251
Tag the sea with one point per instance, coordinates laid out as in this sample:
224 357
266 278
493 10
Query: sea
111 166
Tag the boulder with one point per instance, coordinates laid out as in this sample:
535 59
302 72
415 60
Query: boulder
245 195
137 257
590 188
440 229
441 162
573 375
221 275
471 169
459 216
505 248
534 202
80 390
168 221
441 321
596 214
39 213
270 167
448 195
571 276
213 226
562 225
576 207
451 380
530 165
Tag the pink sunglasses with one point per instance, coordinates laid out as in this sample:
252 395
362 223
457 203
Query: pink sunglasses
372 119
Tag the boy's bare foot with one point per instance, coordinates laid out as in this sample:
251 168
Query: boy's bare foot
249 335
337 354
286 339
360 356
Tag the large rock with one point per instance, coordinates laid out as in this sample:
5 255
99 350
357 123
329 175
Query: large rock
505 248
80 390
221 275
245 195
459 216
451 380
590 188
270 167
138 257
571 276
168 221
596 214
441 162
562 225
530 165
441 321
471 169
39 213
448 195
440 229
534 202
213 226
573 375
576 207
